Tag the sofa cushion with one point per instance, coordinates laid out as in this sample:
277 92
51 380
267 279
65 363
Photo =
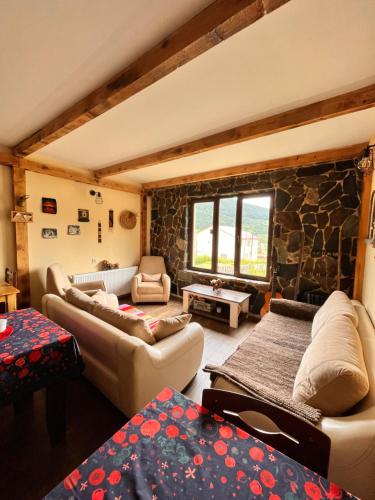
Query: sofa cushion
127 323
332 375
150 288
151 277
337 303
169 326
78 298
108 299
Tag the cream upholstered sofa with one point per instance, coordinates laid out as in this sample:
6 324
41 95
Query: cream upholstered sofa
352 459
152 283
127 370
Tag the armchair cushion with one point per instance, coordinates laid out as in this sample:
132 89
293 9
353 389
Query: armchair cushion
150 287
169 326
151 277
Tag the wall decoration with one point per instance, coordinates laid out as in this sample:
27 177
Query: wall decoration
128 219
99 232
83 215
74 230
49 206
19 216
98 196
49 233
110 219
105 265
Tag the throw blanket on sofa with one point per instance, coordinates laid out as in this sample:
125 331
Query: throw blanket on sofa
266 363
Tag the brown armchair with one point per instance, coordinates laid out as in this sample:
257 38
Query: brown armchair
58 282
146 285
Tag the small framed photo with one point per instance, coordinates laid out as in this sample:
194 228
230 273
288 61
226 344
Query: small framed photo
83 215
49 206
19 216
49 233
74 230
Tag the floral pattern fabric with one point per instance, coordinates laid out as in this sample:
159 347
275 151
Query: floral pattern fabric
174 448
38 353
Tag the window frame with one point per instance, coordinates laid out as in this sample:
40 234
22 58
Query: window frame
215 236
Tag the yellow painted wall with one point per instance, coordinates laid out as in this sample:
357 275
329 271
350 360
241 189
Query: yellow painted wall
368 293
77 254
7 237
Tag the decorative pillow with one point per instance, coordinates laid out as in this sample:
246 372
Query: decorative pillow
107 299
151 277
332 375
169 326
128 323
338 303
78 298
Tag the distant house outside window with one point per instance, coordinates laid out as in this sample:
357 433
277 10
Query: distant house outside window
231 235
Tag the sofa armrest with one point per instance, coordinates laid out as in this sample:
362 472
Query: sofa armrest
293 309
166 281
145 370
91 287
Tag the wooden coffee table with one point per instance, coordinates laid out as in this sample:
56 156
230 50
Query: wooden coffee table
238 301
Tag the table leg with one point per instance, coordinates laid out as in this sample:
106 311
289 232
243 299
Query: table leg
55 412
12 302
245 307
185 301
233 317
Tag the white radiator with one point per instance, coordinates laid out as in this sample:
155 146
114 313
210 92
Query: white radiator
117 281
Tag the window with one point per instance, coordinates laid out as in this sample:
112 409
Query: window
231 235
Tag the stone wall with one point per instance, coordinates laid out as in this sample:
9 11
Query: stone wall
322 201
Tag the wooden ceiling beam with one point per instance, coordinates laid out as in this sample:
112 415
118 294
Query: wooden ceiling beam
217 22
349 102
63 173
327 155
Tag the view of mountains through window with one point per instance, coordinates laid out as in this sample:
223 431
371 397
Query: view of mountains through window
253 244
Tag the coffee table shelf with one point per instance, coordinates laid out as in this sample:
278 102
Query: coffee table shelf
238 303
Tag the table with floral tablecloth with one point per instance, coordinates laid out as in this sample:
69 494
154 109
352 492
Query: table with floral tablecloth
174 448
38 353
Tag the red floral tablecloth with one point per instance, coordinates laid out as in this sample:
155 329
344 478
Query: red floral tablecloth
37 354
175 449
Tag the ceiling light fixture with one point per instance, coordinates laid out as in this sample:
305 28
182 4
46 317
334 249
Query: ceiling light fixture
366 163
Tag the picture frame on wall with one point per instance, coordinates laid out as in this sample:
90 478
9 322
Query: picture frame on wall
49 233
74 230
49 205
83 215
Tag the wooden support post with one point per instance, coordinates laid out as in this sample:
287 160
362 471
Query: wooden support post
364 215
143 246
22 248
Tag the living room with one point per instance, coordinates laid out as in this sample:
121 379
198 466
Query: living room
187 219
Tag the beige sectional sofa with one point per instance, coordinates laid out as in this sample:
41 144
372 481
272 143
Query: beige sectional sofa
352 460
127 370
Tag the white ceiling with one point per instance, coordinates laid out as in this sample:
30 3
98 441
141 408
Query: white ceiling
305 51
53 53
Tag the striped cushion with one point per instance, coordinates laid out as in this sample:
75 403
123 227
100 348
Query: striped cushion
151 322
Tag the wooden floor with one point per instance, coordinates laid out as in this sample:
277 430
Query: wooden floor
30 468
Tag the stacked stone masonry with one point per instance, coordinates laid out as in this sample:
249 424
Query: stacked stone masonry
320 200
